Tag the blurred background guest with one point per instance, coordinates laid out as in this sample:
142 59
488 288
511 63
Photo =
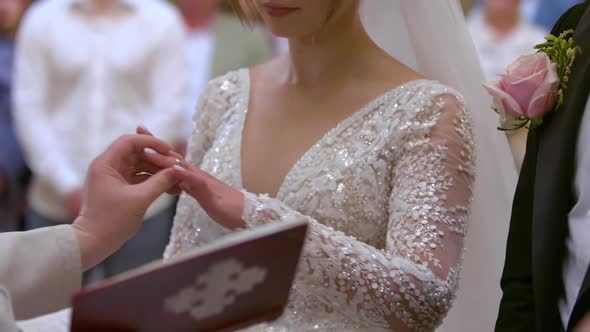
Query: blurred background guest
501 35
543 13
12 165
88 71
217 42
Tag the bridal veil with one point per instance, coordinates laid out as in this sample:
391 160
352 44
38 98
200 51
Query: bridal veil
432 38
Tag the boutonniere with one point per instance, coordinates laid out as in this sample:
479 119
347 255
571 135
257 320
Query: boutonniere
534 84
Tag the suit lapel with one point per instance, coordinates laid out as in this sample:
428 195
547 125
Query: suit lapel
554 190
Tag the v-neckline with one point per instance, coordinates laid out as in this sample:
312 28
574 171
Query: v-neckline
245 78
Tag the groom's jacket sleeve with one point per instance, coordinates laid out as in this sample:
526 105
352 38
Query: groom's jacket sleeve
40 269
517 308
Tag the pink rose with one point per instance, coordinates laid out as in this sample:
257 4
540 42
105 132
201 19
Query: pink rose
528 88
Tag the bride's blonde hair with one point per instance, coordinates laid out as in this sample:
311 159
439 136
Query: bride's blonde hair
247 10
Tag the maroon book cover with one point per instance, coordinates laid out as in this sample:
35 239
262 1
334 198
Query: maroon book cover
238 281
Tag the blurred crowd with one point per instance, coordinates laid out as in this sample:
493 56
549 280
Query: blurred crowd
75 74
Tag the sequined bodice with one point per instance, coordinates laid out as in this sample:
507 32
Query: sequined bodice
386 193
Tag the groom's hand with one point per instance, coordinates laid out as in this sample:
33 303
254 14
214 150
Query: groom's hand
74 202
120 186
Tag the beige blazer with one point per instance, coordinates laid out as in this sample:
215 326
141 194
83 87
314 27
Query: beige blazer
39 269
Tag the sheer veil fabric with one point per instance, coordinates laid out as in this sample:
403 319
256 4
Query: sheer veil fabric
432 38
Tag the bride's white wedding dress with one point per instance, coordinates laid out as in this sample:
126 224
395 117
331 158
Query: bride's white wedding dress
387 193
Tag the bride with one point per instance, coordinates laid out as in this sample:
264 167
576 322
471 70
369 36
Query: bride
374 153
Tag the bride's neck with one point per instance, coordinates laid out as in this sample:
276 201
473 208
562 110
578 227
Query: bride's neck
328 54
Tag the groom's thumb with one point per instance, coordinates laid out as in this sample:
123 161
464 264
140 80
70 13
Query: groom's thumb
158 184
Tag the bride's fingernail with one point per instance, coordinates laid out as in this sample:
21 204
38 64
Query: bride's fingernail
150 151
175 155
179 167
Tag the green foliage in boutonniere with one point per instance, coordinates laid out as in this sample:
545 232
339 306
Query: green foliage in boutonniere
563 52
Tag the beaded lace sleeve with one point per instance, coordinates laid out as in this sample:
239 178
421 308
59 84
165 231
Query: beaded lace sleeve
411 283
213 104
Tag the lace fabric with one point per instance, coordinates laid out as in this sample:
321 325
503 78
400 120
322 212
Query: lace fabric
386 192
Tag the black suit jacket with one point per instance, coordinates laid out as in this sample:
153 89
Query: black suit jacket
532 280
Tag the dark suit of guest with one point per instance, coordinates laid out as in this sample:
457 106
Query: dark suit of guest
533 282
12 166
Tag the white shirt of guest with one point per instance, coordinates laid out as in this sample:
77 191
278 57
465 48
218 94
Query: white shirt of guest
578 243
84 79
529 9
200 47
495 54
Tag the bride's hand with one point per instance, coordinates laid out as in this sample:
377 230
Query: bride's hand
223 203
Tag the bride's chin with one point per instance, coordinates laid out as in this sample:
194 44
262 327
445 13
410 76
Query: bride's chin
302 38
290 31
285 33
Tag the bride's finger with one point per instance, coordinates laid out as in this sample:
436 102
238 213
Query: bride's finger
194 182
162 161
195 178
140 178
175 155
165 161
